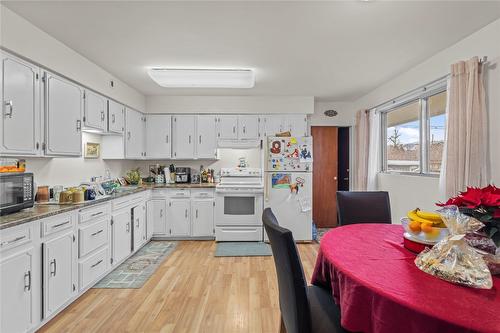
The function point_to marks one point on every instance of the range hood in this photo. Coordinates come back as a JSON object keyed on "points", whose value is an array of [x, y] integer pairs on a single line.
{"points": [[239, 144]]}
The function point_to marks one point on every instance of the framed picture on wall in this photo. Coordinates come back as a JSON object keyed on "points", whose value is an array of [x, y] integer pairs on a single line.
{"points": [[92, 150]]}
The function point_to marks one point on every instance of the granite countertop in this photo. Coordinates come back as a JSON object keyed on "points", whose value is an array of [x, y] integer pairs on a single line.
{"points": [[40, 211]]}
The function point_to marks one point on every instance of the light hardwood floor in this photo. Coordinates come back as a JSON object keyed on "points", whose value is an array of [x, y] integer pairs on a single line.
{"points": [[192, 291]]}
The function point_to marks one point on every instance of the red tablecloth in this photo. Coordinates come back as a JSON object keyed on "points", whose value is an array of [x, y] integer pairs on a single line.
{"points": [[379, 288]]}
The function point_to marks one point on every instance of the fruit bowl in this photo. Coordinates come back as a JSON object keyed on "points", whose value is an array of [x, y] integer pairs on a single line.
{"points": [[432, 234]]}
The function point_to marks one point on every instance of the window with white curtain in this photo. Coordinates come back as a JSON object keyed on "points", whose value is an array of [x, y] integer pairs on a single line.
{"points": [[413, 130]]}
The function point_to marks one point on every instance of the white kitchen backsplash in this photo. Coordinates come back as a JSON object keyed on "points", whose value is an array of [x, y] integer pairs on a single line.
{"points": [[72, 171]]}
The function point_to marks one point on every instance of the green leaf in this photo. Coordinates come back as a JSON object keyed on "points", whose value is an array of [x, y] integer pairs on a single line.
{"points": [[496, 239]]}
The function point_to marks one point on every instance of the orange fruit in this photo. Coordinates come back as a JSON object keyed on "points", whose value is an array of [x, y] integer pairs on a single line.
{"points": [[426, 227], [414, 226]]}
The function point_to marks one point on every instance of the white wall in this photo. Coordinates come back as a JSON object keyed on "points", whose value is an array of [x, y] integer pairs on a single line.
{"points": [[410, 191], [345, 117], [230, 104], [21, 37]]}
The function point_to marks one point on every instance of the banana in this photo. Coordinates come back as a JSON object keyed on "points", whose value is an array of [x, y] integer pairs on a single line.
{"points": [[412, 215], [431, 216]]}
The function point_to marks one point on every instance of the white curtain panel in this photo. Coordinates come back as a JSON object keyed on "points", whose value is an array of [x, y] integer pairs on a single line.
{"points": [[361, 137], [465, 157], [374, 151]]}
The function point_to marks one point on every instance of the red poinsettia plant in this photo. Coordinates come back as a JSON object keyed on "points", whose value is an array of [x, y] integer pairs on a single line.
{"points": [[482, 204]]}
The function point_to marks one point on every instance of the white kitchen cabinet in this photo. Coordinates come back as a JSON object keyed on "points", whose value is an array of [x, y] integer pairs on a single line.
{"points": [[135, 126], [206, 145], [178, 213], [271, 125], [183, 129], [157, 213], [139, 223], [296, 124], [202, 211], [121, 235], [248, 127], [63, 112], [116, 114], [16, 283], [227, 127], [158, 136], [59, 271], [95, 111], [20, 122]]}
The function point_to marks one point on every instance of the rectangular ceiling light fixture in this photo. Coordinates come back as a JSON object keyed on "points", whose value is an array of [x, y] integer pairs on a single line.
{"points": [[203, 78]]}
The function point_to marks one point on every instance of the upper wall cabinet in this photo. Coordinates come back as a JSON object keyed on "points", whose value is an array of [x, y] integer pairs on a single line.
{"points": [[158, 136], [270, 125], [116, 114], [20, 122], [95, 111], [296, 124], [234, 127], [63, 112], [183, 129], [206, 144], [227, 127], [248, 127], [135, 125]]}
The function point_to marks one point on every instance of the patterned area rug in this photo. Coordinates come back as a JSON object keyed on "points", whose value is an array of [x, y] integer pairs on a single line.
{"points": [[242, 249], [136, 270]]}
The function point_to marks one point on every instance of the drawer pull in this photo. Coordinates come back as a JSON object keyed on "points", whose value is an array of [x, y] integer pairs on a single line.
{"points": [[17, 239], [27, 285], [60, 224], [97, 232], [96, 214], [97, 263]]}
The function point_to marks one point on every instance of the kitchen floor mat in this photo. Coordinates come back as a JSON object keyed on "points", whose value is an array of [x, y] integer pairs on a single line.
{"points": [[134, 272], [242, 249]]}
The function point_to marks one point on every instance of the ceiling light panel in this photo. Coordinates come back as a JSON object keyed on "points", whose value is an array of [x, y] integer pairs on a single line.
{"points": [[203, 78]]}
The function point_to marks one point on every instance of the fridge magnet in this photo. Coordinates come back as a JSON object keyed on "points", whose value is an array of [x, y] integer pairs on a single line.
{"points": [[281, 180], [276, 147], [293, 140], [92, 150], [294, 188], [305, 154]]}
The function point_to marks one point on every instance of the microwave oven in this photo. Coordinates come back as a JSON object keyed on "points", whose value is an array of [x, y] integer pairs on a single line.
{"points": [[16, 192]]}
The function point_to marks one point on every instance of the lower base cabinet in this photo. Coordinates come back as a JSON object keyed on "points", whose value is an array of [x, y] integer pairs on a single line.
{"points": [[179, 216], [139, 216], [16, 282], [121, 239], [203, 217], [59, 267], [157, 217]]}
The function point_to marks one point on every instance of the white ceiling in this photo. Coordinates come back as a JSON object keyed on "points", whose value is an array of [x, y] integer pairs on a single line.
{"points": [[330, 50]]}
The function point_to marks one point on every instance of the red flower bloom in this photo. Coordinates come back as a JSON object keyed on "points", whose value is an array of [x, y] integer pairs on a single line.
{"points": [[472, 197]]}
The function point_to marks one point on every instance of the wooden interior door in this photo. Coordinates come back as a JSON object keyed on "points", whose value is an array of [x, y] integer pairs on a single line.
{"points": [[325, 183]]}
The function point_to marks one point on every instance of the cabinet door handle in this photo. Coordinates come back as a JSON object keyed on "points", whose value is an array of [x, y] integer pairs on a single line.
{"points": [[96, 214], [234, 129], [186, 213], [128, 135], [53, 264], [196, 213], [102, 115], [190, 139], [166, 140], [137, 225], [113, 118], [9, 104], [97, 232], [78, 125], [97, 263], [161, 212], [128, 227], [27, 285], [200, 139], [244, 129]]}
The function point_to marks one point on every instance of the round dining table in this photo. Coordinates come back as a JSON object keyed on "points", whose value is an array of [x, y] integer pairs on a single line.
{"points": [[374, 280]]}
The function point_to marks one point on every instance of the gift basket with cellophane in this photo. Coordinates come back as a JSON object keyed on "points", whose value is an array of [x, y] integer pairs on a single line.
{"points": [[466, 256]]}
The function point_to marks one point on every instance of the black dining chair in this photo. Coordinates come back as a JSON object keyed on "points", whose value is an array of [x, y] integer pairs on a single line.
{"points": [[304, 309], [363, 207]]}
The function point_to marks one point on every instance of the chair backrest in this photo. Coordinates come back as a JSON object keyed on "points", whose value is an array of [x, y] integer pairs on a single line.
{"points": [[291, 281], [363, 207]]}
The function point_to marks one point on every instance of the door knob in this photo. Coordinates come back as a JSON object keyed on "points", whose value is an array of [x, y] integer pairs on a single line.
{"points": [[334, 178]]}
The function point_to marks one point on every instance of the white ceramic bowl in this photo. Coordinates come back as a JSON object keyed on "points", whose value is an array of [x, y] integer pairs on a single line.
{"points": [[435, 237]]}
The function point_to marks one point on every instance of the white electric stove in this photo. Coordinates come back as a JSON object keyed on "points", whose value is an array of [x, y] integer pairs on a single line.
{"points": [[238, 205]]}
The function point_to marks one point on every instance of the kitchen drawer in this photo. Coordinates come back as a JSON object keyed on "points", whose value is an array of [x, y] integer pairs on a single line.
{"points": [[179, 193], [15, 236], [93, 267], [235, 234], [127, 200], [202, 193], [95, 212], [93, 236], [57, 223]]}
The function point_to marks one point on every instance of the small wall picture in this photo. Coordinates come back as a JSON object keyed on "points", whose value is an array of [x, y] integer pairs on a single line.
{"points": [[92, 150]]}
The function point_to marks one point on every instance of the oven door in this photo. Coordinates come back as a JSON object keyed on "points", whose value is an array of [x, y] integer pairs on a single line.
{"points": [[11, 193], [238, 208]]}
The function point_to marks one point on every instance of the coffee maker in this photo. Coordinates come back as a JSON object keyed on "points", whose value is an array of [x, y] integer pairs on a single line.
{"points": [[182, 175]]}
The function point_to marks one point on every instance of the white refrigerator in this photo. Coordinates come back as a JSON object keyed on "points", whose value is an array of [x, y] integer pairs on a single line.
{"points": [[288, 183]]}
